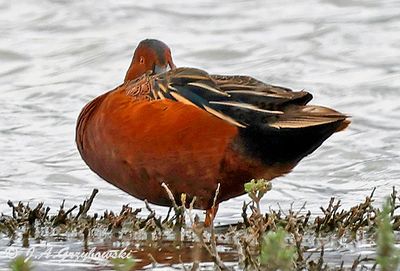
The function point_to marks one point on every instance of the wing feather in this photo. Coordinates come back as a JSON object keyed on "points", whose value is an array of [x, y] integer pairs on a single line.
{"points": [[241, 100]]}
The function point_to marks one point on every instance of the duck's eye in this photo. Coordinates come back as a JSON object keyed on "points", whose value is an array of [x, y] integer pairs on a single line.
{"points": [[141, 60]]}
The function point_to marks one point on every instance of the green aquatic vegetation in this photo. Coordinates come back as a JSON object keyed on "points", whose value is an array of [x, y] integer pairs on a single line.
{"points": [[20, 263], [276, 253], [388, 256], [256, 189], [120, 264]]}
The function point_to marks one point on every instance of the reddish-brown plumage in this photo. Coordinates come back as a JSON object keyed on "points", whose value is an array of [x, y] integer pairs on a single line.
{"points": [[137, 145], [193, 131]]}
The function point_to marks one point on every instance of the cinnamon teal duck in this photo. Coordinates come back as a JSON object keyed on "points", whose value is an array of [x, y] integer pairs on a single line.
{"points": [[193, 130]]}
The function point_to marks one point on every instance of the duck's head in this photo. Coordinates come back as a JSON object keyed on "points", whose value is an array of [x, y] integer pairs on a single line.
{"points": [[152, 56]]}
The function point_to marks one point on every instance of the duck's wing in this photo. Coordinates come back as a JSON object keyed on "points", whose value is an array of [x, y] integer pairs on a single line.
{"points": [[240, 100], [250, 90]]}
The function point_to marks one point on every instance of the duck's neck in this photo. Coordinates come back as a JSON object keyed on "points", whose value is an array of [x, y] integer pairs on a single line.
{"points": [[130, 74]]}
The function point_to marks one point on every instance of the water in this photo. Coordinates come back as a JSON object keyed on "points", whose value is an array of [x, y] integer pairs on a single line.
{"points": [[55, 56]]}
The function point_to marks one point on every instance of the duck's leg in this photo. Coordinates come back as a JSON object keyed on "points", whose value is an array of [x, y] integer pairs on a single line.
{"points": [[210, 215]]}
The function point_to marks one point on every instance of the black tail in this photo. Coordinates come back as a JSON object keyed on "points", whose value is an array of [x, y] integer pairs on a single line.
{"points": [[287, 145]]}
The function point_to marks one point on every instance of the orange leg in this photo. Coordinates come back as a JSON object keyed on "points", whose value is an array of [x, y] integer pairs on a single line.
{"points": [[210, 215]]}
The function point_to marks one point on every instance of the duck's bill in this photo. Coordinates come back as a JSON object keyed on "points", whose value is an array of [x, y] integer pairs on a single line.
{"points": [[161, 69]]}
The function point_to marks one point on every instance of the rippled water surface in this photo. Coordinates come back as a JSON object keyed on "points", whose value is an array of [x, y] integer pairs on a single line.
{"points": [[55, 56]]}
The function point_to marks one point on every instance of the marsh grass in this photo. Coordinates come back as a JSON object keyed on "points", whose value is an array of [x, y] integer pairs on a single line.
{"points": [[273, 240]]}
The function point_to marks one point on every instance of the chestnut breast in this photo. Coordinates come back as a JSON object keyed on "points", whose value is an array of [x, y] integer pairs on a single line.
{"points": [[138, 144]]}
